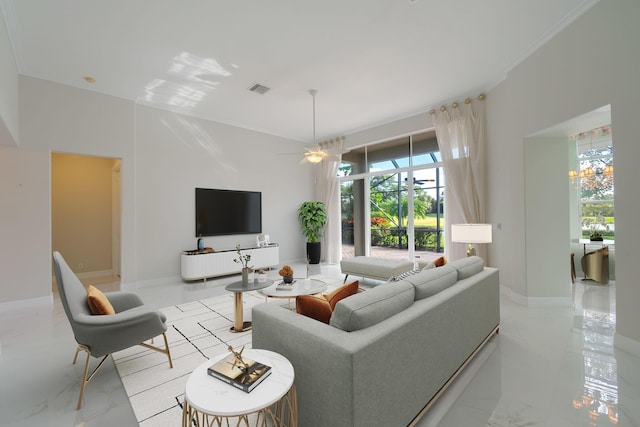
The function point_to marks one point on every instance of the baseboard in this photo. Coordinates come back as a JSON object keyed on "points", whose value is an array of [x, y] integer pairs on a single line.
{"points": [[626, 344], [161, 281], [94, 274], [536, 301], [26, 303]]}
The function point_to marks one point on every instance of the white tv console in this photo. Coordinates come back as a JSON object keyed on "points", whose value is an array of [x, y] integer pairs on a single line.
{"points": [[195, 265]]}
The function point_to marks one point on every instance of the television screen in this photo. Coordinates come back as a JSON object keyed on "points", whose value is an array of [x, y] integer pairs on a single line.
{"points": [[220, 212]]}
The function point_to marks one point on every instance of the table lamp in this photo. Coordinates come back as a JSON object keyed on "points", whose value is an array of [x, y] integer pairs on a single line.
{"points": [[471, 233]]}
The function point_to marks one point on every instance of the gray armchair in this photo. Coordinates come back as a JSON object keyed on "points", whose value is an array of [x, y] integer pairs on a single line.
{"points": [[101, 335]]}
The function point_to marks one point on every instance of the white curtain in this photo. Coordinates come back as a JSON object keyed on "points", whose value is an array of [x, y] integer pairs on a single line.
{"points": [[329, 194], [460, 131]]}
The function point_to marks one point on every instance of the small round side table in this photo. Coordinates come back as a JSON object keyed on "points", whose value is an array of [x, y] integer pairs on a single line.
{"points": [[209, 401], [238, 288]]}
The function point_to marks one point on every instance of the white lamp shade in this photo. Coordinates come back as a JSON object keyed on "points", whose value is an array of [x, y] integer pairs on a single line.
{"points": [[471, 233]]}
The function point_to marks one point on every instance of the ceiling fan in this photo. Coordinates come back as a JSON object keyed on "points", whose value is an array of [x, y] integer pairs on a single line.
{"points": [[316, 152]]}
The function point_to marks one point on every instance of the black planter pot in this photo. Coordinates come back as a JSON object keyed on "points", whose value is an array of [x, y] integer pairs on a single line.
{"points": [[313, 252]]}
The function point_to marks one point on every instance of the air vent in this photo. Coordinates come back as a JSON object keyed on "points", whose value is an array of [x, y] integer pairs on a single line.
{"points": [[258, 88]]}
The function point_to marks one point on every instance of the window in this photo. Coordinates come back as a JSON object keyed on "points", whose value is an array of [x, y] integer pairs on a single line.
{"points": [[595, 157], [392, 198]]}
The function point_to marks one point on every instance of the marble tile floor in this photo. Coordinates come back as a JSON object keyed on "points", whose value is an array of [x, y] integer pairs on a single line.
{"points": [[547, 367]]}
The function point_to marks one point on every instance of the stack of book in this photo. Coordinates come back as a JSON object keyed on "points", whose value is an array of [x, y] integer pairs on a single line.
{"points": [[283, 286], [246, 378]]}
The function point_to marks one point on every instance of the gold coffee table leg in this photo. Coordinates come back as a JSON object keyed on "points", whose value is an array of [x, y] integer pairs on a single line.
{"points": [[238, 324]]}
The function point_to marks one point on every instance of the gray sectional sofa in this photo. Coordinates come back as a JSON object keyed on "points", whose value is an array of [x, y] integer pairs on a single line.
{"points": [[388, 351]]}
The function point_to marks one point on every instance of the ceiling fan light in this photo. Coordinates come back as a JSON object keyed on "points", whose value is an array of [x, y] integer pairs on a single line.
{"points": [[313, 157]]}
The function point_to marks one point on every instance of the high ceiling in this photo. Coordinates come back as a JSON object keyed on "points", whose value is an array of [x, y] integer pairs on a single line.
{"points": [[372, 61]]}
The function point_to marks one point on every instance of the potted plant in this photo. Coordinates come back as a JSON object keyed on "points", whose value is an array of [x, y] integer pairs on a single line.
{"points": [[313, 218], [244, 261], [287, 274], [595, 235]]}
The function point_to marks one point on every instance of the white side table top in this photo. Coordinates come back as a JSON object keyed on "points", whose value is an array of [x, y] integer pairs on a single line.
{"points": [[300, 287], [604, 242], [213, 396]]}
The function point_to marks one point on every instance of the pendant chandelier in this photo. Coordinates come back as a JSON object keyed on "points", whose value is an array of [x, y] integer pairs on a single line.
{"points": [[590, 171]]}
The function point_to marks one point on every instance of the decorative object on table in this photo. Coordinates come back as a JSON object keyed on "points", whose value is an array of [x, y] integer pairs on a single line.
{"points": [[287, 274], [244, 261], [595, 235], [200, 243], [470, 234], [262, 240], [313, 218], [242, 373], [262, 276], [283, 286]]}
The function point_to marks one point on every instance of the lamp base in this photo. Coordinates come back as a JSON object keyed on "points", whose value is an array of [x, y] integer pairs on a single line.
{"points": [[471, 251]]}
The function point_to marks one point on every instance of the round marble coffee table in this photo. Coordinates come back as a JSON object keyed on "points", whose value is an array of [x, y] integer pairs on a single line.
{"points": [[300, 287], [209, 401]]}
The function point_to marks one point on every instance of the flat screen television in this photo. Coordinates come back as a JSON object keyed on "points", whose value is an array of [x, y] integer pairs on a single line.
{"points": [[222, 212]]}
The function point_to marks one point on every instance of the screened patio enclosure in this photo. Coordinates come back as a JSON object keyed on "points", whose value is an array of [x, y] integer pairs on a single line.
{"points": [[392, 199]]}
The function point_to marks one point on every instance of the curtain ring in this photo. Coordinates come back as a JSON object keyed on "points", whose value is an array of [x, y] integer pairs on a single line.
{"points": [[454, 105], [467, 101]]}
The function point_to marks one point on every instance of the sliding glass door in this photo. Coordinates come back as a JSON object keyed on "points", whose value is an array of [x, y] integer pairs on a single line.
{"points": [[392, 197]]}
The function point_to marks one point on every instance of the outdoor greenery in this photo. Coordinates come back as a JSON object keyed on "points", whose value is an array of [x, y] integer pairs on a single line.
{"points": [[389, 214], [596, 194]]}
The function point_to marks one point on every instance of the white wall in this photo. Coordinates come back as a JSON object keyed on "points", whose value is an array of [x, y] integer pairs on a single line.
{"points": [[60, 118], [547, 239], [176, 154], [8, 90], [593, 62], [25, 224], [164, 157]]}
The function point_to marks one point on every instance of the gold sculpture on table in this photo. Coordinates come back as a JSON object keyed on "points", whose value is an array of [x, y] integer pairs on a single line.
{"points": [[239, 360]]}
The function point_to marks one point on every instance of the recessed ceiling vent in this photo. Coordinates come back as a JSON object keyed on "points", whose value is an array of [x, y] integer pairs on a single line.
{"points": [[258, 88]]}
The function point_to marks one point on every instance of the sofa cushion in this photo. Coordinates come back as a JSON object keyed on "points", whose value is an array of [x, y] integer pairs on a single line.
{"points": [[430, 282], [340, 293], [368, 308], [98, 302], [468, 266], [314, 307]]}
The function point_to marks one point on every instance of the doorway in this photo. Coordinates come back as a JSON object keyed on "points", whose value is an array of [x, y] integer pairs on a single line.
{"points": [[86, 214], [553, 204]]}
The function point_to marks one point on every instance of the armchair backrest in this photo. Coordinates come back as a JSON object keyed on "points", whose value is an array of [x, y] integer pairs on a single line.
{"points": [[72, 293]]}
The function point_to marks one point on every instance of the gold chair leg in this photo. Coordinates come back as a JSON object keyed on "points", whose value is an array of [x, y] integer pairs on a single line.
{"points": [[166, 345], [85, 379], [164, 350]]}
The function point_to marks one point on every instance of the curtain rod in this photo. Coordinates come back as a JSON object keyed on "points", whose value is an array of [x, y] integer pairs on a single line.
{"points": [[455, 104]]}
